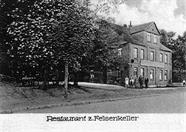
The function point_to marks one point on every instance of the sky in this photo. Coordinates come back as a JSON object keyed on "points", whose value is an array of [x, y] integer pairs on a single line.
{"points": [[167, 14]]}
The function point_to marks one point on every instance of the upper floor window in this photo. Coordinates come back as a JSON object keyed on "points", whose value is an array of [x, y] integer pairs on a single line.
{"points": [[155, 39], [152, 55], [166, 58], [119, 51], [142, 54], [135, 53], [152, 74], [161, 57], [148, 37]]}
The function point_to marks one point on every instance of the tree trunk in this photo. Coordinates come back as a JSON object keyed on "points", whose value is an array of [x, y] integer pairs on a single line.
{"points": [[66, 79], [45, 80], [57, 77]]}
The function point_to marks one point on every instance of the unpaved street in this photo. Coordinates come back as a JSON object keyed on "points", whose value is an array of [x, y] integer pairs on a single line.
{"points": [[162, 103]]}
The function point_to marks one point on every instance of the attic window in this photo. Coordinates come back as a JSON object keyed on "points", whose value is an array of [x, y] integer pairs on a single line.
{"points": [[155, 39], [148, 37]]}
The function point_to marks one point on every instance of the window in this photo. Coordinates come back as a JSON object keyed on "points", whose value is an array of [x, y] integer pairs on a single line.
{"points": [[161, 57], [161, 75], [152, 55], [142, 54], [142, 72], [166, 58], [119, 51], [155, 39], [135, 53], [166, 75], [148, 37], [152, 74], [135, 71]]}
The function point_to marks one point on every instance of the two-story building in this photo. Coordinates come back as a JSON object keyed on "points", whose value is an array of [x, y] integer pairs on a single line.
{"points": [[146, 56]]}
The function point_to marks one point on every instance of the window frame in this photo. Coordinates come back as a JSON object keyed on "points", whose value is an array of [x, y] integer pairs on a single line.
{"points": [[148, 37], [166, 75], [142, 72], [152, 59], [166, 58], [142, 56], [155, 39], [153, 75], [161, 57], [161, 75], [135, 72], [135, 54]]}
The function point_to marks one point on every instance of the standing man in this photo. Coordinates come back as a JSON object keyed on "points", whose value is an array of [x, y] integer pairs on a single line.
{"points": [[132, 82], [140, 81], [146, 82]]}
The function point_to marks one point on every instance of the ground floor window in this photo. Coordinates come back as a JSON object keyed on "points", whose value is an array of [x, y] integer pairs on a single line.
{"points": [[152, 74], [135, 71], [142, 72], [161, 75], [166, 75]]}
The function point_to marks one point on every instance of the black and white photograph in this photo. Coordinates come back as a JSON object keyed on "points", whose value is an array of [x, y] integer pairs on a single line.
{"points": [[92, 56]]}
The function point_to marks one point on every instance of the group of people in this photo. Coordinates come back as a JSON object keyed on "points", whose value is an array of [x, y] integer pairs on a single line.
{"points": [[131, 82]]}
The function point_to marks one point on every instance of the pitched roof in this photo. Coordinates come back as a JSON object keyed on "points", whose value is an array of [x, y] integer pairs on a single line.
{"points": [[141, 27], [125, 34], [162, 47]]}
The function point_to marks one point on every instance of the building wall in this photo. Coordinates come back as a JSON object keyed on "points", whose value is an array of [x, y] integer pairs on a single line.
{"points": [[148, 64]]}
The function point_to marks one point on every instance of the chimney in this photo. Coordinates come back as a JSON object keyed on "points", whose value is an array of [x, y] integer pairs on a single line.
{"points": [[130, 24]]}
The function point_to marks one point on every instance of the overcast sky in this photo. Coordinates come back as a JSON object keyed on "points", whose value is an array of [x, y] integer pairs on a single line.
{"points": [[168, 14]]}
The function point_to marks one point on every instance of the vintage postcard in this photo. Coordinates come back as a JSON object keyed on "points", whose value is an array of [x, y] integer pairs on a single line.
{"points": [[94, 63]]}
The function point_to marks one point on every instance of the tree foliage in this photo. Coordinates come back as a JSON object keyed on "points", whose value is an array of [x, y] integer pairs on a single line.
{"points": [[179, 56], [50, 34], [178, 47], [45, 34]]}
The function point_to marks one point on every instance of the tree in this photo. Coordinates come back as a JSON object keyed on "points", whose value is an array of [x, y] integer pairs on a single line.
{"points": [[179, 57], [52, 34], [104, 54], [98, 56], [178, 47], [167, 38]]}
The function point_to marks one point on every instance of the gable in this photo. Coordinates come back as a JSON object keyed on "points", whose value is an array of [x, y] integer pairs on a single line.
{"points": [[139, 28], [153, 29], [148, 27]]}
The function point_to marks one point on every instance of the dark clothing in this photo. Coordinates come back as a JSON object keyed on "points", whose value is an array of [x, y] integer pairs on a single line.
{"points": [[140, 82], [146, 82]]}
